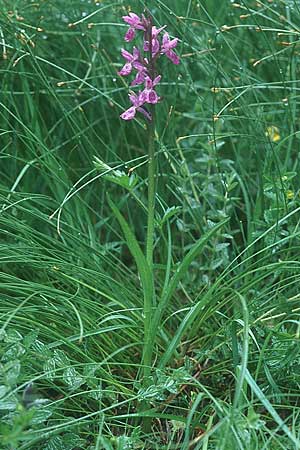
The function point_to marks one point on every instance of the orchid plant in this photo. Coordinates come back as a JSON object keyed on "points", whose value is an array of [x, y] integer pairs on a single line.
{"points": [[142, 61]]}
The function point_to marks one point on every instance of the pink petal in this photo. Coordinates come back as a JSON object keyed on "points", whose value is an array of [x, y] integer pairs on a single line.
{"points": [[126, 55], [148, 83], [130, 35], [139, 79], [139, 66], [172, 43], [134, 16], [152, 97], [156, 80], [134, 99], [140, 26], [126, 69], [172, 56], [143, 97], [165, 39], [156, 31], [155, 46], [127, 19], [129, 113], [145, 22], [132, 19]]}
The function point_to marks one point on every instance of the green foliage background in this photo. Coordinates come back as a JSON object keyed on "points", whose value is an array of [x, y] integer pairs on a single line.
{"points": [[227, 355]]}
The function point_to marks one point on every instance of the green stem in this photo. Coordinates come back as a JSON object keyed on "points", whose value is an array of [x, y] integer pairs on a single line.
{"points": [[151, 194], [149, 301]]}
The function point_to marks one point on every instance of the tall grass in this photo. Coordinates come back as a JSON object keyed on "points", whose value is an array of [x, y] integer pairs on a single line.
{"points": [[225, 370]]}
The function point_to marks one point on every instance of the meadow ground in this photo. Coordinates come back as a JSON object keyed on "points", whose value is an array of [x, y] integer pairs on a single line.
{"points": [[225, 361]]}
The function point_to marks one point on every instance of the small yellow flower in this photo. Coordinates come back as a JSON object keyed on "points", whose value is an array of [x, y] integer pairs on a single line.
{"points": [[290, 195], [272, 133]]}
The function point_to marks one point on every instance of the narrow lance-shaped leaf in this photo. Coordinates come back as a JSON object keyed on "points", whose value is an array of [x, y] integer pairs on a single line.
{"points": [[135, 250]]}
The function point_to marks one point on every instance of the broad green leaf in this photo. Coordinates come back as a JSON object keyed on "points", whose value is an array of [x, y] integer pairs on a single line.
{"points": [[9, 403], [58, 360], [12, 371], [114, 175], [68, 441], [13, 352], [72, 378], [41, 415]]}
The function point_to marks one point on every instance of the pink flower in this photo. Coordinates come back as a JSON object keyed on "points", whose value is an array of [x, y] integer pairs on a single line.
{"points": [[132, 61], [134, 21], [140, 77], [149, 95], [155, 41], [135, 24], [137, 102], [167, 48]]}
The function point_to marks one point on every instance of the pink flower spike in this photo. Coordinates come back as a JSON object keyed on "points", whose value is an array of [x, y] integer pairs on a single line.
{"points": [[143, 65]]}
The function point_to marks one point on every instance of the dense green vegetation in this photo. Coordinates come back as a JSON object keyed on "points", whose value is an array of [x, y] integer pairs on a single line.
{"points": [[225, 372]]}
